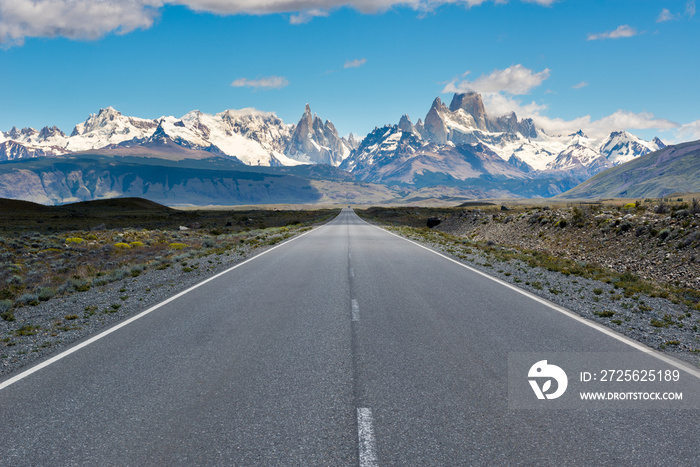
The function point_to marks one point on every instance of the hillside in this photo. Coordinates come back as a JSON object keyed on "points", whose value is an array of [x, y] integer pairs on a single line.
{"points": [[674, 169], [186, 182]]}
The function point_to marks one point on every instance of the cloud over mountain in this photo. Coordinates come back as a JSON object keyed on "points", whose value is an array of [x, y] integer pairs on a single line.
{"points": [[514, 80], [92, 19]]}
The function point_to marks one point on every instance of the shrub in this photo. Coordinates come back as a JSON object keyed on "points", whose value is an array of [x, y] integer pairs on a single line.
{"points": [[27, 330], [75, 240], [46, 293], [91, 237], [597, 291], [136, 270], [75, 285], [663, 235], [117, 275], [177, 246], [135, 244], [658, 324], [15, 280], [28, 299], [661, 208], [6, 294], [579, 217], [122, 245], [71, 317], [629, 206], [5, 305], [5, 313], [604, 314]]}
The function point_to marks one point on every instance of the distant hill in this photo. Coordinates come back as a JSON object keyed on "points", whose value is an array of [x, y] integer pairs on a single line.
{"points": [[674, 169], [121, 204], [197, 179], [14, 205], [214, 180]]}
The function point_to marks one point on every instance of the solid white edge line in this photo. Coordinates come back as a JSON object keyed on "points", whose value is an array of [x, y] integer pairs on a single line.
{"points": [[365, 435], [120, 325], [355, 310], [599, 327]]}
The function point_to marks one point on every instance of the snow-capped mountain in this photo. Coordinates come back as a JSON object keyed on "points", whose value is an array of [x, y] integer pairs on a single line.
{"points": [[465, 128], [396, 154], [28, 142], [451, 145], [251, 136], [315, 141], [621, 147], [106, 128]]}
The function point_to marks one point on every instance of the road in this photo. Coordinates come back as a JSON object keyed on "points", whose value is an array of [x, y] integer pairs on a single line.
{"points": [[344, 346]]}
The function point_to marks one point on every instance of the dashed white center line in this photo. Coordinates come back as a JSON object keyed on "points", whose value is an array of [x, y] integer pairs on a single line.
{"points": [[365, 433], [355, 310], [352, 272]]}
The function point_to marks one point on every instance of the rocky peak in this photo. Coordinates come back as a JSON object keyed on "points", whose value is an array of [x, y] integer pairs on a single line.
{"points": [[472, 104], [316, 141], [438, 105], [434, 127], [47, 133], [13, 133], [658, 142], [353, 141], [405, 124]]}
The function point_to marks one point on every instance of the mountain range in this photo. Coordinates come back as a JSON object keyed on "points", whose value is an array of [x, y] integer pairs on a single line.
{"points": [[672, 170], [460, 143], [251, 136], [458, 148]]}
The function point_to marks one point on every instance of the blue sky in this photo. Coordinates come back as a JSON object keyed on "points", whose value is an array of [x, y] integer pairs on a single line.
{"points": [[598, 65]]}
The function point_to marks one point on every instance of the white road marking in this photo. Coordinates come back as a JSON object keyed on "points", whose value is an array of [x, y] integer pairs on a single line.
{"points": [[365, 434], [352, 272], [599, 327], [65, 353], [355, 310]]}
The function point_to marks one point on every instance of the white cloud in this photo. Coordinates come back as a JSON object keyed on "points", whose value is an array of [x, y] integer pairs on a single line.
{"points": [[271, 82], [92, 19], [620, 32], [306, 16], [666, 15], [75, 19], [580, 85], [514, 80], [690, 8], [498, 104], [355, 63], [689, 131]]}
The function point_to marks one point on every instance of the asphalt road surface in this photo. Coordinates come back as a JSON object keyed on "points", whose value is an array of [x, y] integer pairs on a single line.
{"points": [[344, 346]]}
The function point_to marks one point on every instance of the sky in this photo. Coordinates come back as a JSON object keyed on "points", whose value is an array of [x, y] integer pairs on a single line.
{"points": [[569, 64]]}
